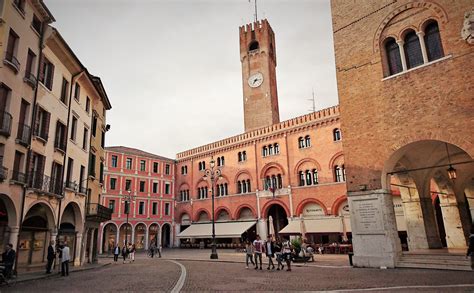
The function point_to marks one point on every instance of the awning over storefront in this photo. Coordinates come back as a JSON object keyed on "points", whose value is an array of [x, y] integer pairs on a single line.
{"points": [[325, 225], [223, 230]]}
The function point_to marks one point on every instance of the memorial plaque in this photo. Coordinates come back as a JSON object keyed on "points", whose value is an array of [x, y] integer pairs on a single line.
{"points": [[368, 216]]}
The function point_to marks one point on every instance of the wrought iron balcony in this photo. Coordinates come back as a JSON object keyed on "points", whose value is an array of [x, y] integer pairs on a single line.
{"points": [[11, 61], [23, 135], [18, 177], [5, 123], [45, 184], [98, 213], [41, 133], [30, 79]]}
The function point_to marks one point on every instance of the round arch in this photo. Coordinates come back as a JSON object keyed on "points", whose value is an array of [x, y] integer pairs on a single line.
{"points": [[220, 209], [242, 172], [74, 207], [302, 204], [334, 158], [269, 203], [109, 236], [307, 160], [183, 185], [239, 209], [337, 204], [406, 30], [269, 166], [51, 217], [166, 235], [199, 212], [10, 208]]}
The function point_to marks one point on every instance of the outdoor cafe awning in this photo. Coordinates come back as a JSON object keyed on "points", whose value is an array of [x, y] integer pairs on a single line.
{"points": [[223, 230], [318, 225]]}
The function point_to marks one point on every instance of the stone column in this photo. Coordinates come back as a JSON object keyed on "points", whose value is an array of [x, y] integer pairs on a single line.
{"points": [[402, 54], [91, 246], [132, 237], [14, 236], [431, 226], [421, 37], [452, 221], [415, 225], [79, 247], [85, 245], [374, 229], [146, 239], [117, 238]]}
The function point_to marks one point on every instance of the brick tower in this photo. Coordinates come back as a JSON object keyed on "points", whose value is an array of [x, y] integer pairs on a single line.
{"points": [[257, 54]]}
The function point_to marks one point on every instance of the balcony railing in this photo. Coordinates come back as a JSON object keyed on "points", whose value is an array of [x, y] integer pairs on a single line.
{"points": [[70, 185], [46, 184], [60, 144], [30, 79], [98, 213], [23, 135], [18, 177], [41, 134], [5, 123], [11, 61]]}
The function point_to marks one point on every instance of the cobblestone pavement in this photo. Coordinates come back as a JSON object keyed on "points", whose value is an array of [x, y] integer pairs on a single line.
{"points": [[162, 275]]}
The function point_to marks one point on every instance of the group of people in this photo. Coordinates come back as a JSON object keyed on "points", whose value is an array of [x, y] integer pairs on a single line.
{"points": [[281, 250], [154, 249], [127, 251], [63, 253]]}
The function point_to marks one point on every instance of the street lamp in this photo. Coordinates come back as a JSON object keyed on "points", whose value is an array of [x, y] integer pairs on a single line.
{"points": [[213, 175], [128, 199]]}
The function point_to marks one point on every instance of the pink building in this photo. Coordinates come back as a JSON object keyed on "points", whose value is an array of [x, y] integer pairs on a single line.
{"points": [[148, 180]]}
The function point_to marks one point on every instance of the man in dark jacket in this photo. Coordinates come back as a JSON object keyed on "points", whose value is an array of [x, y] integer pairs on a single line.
{"points": [[270, 251], [8, 259], [470, 248], [51, 256]]}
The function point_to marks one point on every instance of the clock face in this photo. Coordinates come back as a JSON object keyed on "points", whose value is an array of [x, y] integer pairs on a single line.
{"points": [[255, 80]]}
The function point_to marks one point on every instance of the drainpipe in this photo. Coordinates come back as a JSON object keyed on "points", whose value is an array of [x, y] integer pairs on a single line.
{"points": [[67, 142], [30, 136]]}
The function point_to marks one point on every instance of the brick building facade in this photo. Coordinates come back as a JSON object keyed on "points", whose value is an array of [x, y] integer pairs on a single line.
{"points": [[149, 181], [406, 93]]}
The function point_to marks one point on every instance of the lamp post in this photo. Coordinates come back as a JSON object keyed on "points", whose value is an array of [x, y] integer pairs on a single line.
{"points": [[128, 199], [213, 175]]}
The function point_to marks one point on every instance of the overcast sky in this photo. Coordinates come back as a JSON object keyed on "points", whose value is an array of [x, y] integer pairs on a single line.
{"points": [[172, 68]]}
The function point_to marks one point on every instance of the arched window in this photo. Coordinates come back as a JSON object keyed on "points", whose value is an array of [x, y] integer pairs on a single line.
{"points": [[239, 157], [218, 161], [264, 151], [307, 141], [244, 156], [270, 150], [392, 52], [434, 49], [253, 46], [239, 187], [249, 189], [412, 50], [277, 148], [315, 177], [300, 142], [274, 183], [339, 173], [226, 189], [222, 161], [200, 166], [309, 179], [279, 181], [268, 182], [336, 133], [301, 178]]}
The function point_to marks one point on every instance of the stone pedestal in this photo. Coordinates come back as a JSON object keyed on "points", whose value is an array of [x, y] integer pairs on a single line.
{"points": [[374, 229]]}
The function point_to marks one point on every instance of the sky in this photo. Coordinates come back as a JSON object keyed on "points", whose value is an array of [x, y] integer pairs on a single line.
{"points": [[172, 70]]}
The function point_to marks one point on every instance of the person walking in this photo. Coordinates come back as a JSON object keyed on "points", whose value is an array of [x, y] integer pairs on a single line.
{"points": [[470, 247], [132, 252], [152, 249], [270, 251], [259, 248], [249, 251], [50, 257], [124, 252], [286, 250], [8, 260], [159, 250], [279, 255], [65, 258], [116, 252]]}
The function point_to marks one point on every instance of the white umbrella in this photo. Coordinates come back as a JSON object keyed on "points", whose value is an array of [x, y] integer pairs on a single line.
{"points": [[302, 227], [271, 227]]}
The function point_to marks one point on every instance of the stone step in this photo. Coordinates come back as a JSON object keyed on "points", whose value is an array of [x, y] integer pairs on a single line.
{"points": [[434, 266], [463, 262], [439, 257]]}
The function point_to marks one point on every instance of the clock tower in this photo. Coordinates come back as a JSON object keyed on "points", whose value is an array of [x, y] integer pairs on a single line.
{"points": [[257, 55]]}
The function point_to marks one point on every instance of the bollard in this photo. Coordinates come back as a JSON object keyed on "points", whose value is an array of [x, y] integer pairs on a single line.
{"points": [[350, 254]]}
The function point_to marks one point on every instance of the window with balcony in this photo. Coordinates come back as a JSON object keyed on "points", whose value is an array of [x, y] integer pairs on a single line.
{"points": [[142, 186], [10, 54], [155, 167], [77, 92], [113, 183], [36, 24], [41, 128], [24, 130], [73, 128], [64, 91], [30, 77], [36, 172], [114, 161], [129, 163], [5, 117], [142, 165], [18, 175], [82, 182], [56, 183], [60, 137], [46, 73]]}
